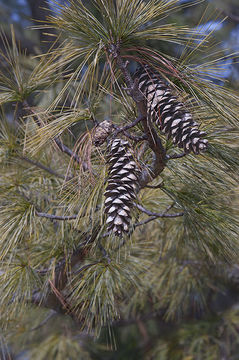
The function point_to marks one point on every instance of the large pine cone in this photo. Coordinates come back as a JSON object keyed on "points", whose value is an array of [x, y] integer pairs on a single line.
{"points": [[168, 113], [121, 188]]}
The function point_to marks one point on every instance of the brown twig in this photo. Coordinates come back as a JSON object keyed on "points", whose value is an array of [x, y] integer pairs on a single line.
{"points": [[68, 152], [162, 215], [155, 186], [127, 127], [176, 156], [144, 222], [61, 264], [41, 166], [128, 135], [135, 138], [60, 297], [53, 298], [55, 217]]}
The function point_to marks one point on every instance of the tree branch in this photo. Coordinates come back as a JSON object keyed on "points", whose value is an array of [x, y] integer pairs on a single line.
{"points": [[155, 186], [144, 222], [126, 133], [150, 132], [41, 166], [162, 215], [127, 127], [69, 152], [55, 217], [176, 156], [58, 142], [53, 299]]}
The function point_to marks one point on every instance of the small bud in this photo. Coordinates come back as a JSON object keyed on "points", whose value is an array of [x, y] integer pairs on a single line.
{"points": [[101, 132]]}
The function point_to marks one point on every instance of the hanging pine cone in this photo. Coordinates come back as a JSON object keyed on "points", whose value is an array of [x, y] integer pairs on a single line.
{"points": [[121, 188], [101, 132], [168, 113]]}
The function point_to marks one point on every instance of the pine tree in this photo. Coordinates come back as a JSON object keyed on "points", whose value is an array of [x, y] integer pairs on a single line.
{"points": [[114, 243]]}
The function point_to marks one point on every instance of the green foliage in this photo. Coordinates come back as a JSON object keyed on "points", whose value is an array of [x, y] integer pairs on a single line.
{"points": [[59, 347], [172, 279], [127, 23], [17, 83], [98, 288]]}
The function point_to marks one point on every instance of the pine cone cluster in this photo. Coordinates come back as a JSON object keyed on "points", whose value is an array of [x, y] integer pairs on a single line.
{"points": [[121, 188], [168, 113]]}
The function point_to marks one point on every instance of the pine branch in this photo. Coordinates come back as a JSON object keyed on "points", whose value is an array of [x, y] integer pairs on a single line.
{"points": [[126, 133], [129, 126], [43, 167], [51, 299], [61, 264], [144, 222], [55, 217], [176, 156], [61, 146], [69, 152], [162, 215], [151, 134], [85, 267], [54, 299], [155, 186]]}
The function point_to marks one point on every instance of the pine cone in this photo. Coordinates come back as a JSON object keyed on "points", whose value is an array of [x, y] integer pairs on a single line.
{"points": [[101, 132], [168, 113], [121, 188]]}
